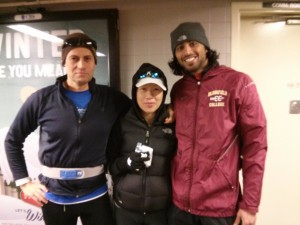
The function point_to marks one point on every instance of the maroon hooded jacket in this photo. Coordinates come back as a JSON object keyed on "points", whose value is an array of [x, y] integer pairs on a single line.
{"points": [[219, 120]]}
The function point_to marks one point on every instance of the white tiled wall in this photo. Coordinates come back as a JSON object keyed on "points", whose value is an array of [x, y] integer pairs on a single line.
{"points": [[145, 27]]}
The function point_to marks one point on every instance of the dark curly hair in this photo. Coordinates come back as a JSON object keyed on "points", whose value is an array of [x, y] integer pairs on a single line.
{"points": [[211, 55]]}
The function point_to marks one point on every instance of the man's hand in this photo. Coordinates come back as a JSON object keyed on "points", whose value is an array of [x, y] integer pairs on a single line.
{"points": [[171, 115], [245, 218], [36, 191]]}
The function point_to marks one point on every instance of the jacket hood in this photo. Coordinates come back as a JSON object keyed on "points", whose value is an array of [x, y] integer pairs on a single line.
{"points": [[148, 71]]}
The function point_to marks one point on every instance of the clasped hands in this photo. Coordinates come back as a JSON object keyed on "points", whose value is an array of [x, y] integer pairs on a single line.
{"points": [[135, 160]]}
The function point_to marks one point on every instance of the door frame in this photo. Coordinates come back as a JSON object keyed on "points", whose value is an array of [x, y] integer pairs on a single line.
{"points": [[249, 9]]}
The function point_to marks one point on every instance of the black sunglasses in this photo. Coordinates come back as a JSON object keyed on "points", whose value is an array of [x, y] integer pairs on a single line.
{"points": [[150, 74], [80, 42]]}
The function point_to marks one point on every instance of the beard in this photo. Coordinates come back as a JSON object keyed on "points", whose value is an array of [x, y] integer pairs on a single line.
{"points": [[196, 69]]}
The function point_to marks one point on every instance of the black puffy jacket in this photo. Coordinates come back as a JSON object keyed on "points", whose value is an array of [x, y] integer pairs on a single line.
{"points": [[150, 189]]}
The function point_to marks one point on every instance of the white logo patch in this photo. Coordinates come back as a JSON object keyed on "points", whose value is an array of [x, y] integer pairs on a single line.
{"points": [[167, 130], [182, 38]]}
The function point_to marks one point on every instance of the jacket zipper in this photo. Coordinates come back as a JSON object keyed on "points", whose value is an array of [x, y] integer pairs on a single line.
{"points": [[147, 136], [78, 121], [193, 151]]}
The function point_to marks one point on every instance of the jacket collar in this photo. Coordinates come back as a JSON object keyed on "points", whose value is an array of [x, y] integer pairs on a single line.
{"points": [[60, 80]]}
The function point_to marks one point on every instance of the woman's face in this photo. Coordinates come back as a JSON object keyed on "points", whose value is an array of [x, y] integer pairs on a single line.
{"points": [[149, 98]]}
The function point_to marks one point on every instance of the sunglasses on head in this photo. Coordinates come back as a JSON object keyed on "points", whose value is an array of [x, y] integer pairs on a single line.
{"points": [[80, 42], [149, 74]]}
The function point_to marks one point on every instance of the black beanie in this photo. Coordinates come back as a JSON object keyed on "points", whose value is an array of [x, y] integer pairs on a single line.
{"points": [[188, 31], [76, 40]]}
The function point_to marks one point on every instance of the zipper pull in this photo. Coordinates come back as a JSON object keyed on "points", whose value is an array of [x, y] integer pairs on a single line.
{"points": [[147, 137]]}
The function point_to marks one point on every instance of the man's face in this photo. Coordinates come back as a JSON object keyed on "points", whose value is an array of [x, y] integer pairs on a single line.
{"points": [[80, 66], [191, 55]]}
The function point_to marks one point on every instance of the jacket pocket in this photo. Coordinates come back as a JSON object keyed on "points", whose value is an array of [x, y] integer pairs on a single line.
{"points": [[216, 189]]}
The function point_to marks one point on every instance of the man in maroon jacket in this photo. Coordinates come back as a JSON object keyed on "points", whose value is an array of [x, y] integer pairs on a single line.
{"points": [[221, 128]]}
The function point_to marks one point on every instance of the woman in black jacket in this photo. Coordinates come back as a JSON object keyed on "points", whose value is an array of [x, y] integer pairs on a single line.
{"points": [[140, 151]]}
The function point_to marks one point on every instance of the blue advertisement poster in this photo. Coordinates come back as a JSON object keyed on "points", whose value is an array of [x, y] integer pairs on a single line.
{"points": [[30, 58]]}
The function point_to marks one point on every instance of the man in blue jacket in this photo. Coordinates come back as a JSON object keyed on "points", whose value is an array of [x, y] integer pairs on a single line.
{"points": [[75, 117]]}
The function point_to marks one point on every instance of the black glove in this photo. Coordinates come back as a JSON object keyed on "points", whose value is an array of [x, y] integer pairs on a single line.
{"points": [[134, 162]]}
